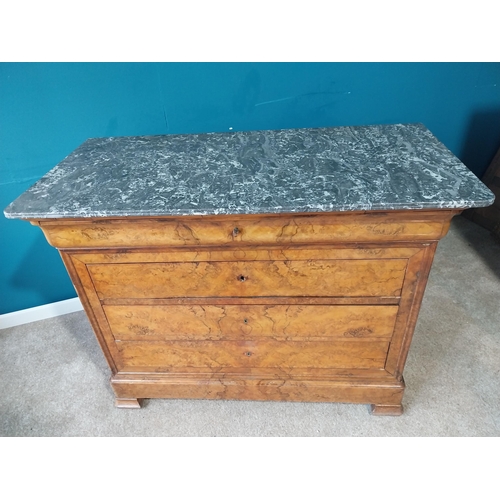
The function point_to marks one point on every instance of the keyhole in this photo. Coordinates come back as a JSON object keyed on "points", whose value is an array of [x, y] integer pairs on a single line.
{"points": [[241, 277], [245, 321], [236, 231], [248, 353]]}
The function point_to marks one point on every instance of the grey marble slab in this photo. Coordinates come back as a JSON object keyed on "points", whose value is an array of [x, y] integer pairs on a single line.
{"points": [[385, 167]]}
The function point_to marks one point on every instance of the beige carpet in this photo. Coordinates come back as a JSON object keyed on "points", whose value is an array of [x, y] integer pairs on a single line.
{"points": [[54, 380]]}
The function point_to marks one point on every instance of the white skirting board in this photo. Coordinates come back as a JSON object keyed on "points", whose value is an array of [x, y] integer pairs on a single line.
{"points": [[41, 312]]}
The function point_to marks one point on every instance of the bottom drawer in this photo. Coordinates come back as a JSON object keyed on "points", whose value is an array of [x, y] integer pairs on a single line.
{"points": [[213, 355]]}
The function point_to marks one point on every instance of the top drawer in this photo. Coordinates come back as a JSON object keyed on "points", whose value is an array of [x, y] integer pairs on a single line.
{"points": [[249, 229]]}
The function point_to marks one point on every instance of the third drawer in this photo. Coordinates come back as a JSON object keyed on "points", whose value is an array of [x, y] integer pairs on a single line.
{"points": [[243, 321]]}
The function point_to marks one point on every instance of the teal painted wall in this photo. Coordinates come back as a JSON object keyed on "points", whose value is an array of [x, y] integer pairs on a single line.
{"points": [[47, 110]]}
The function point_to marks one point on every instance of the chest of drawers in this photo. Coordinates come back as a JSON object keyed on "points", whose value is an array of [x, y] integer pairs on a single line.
{"points": [[312, 305], [303, 308]]}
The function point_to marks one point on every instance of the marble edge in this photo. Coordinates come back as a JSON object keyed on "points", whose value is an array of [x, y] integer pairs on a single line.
{"points": [[275, 210], [253, 131]]}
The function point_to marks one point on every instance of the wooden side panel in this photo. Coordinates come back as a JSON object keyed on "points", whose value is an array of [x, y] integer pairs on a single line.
{"points": [[85, 289], [419, 267], [239, 322], [247, 279], [266, 353]]}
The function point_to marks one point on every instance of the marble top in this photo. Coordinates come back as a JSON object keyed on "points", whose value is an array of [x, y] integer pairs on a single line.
{"points": [[383, 167]]}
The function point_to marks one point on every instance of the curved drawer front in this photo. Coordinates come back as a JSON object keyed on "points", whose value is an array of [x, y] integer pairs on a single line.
{"points": [[239, 322], [323, 278], [223, 230], [174, 356]]}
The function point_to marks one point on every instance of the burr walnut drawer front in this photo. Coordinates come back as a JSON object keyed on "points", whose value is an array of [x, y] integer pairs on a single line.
{"points": [[243, 321], [176, 356], [326, 278], [193, 231]]}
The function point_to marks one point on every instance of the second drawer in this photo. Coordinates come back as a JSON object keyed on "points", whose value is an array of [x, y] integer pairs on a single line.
{"points": [[328, 278]]}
